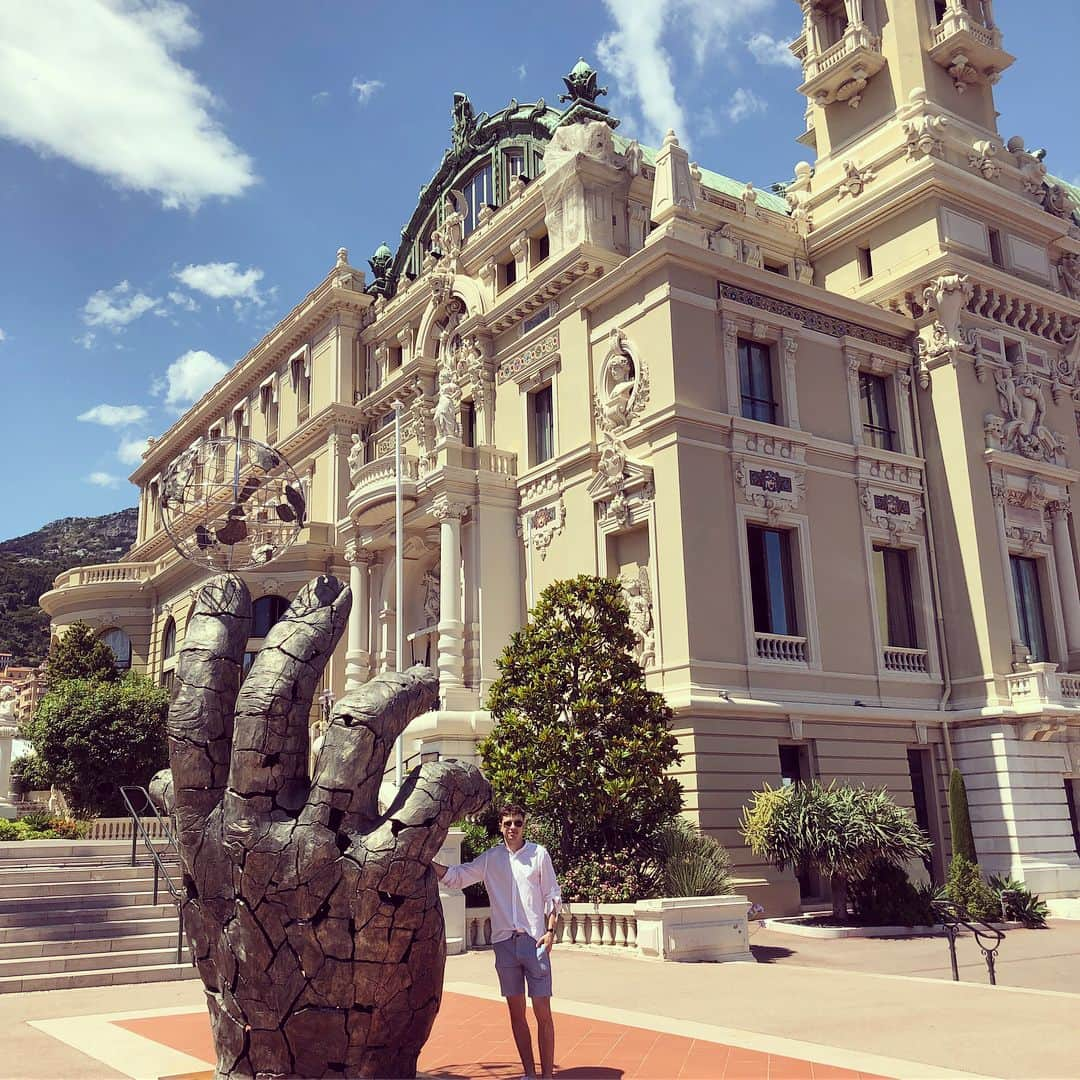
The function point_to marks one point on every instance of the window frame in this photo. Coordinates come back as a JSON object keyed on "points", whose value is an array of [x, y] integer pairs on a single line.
{"points": [[748, 391], [870, 430], [798, 527], [1040, 579], [300, 378], [783, 336], [545, 388]]}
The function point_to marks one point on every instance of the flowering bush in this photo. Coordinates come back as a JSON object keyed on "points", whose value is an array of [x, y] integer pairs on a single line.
{"points": [[616, 877], [41, 827]]}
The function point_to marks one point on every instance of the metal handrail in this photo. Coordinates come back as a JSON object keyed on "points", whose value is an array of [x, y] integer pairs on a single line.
{"points": [[160, 869], [987, 937]]}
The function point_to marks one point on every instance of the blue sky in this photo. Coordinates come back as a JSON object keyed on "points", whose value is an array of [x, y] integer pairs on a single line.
{"points": [[175, 177]]}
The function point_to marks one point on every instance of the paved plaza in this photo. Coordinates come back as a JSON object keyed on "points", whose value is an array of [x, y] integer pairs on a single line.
{"points": [[813, 1009]]}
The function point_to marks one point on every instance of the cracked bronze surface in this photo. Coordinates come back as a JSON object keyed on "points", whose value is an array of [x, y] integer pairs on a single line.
{"points": [[314, 920]]}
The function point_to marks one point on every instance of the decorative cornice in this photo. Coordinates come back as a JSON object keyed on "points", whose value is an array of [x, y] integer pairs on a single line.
{"points": [[813, 320]]}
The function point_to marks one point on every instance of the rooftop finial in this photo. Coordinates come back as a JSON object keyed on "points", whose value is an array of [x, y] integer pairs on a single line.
{"points": [[581, 84], [342, 256]]}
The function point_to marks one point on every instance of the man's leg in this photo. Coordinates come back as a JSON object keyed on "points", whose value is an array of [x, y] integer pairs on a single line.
{"points": [[522, 1036], [545, 1034]]}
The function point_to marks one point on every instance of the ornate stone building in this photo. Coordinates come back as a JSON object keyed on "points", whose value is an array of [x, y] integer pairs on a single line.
{"points": [[827, 435]]}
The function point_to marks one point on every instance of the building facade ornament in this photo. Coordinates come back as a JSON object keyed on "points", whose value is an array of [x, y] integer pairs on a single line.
{"points": [[430, 584], [1052, 197], [623, 385], [638, 593], [775, 489], [982, 157], [1020, 428], [923, 136], [1068, 274], [855, 179], [443, 508], [897, 513], [542, 525]]}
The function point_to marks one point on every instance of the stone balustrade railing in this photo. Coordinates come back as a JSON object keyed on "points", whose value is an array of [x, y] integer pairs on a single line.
{"points": [[675, 928], [382, 469], [104, 573], [956, 22], [781, 647], [120, 828], [1042, 686], [911, 661]]}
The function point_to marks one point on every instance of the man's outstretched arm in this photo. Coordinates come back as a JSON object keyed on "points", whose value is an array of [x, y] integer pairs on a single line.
{"points": [[461, 877]]}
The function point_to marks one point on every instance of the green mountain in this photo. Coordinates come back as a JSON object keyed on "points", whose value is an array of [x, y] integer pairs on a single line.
{"points": [[28, 565]]}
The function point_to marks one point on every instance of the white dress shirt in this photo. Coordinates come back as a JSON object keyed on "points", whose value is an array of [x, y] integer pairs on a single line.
{"points": [[521, 885]]}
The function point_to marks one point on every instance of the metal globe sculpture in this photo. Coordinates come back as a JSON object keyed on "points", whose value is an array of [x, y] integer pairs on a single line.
{"points": [[232, 504]]}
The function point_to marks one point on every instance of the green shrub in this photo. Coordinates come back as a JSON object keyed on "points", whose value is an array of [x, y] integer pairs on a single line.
{"points": [[692, 863], [37, 821], [963, 840], [93, 735], [967, 890], [9, 830], [1019, 902], [477, 839], [839, 830], [884, 896]]}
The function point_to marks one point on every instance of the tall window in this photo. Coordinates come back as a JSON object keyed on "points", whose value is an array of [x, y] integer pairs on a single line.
{"points": [[1029, 607], [874, 408], [514, 162], [756, 382], [468, 423], [265, 612], [301, 380], [478, 192], [168, 648], [120, 644], [772, 585], [895, 607], [543, 417]]}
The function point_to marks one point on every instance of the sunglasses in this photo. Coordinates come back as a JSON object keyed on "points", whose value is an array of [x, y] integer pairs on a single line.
{"points": [[513, 823]]}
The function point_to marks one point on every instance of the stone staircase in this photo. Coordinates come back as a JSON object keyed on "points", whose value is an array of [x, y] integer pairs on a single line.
{"points": [[77, 913]]}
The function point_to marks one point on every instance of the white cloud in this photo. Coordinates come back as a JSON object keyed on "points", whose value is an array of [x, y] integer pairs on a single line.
{"points": [[94, 81], [3, 336], [223, 281], [182, 300], [321, 98], [114, 415], [770, 51], [103, 479], [365, 89], [130, 451], [641, 64], [521, 71], [116, 307], [189, 377], [744, 103], [86, 340]]}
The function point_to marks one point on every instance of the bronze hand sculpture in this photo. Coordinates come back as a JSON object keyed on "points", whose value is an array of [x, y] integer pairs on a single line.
{"points": [[314, 919]]}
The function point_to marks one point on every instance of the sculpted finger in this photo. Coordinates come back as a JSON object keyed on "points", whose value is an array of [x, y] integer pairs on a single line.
{"points": [[200, 722], [429, 802], [268, 777], [352, 759]]}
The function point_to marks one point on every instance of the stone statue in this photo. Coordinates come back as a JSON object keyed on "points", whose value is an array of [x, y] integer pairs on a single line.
{"points": [[1024, 405], [7, 705], [314, 919], [638, 594], [616, 404], [356, 456], [447, 424], [430, 581]]}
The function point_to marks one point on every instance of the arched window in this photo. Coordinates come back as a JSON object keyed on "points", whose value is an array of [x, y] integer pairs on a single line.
{"points": [[479, 191], [265, 612], [120, 644], [168, 646]]}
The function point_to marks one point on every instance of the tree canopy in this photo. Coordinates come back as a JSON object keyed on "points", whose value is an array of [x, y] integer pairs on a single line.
{"points": [[578, 739]]}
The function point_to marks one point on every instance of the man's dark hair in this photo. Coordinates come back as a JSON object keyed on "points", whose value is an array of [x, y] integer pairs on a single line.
{"points": [[510, 808]]}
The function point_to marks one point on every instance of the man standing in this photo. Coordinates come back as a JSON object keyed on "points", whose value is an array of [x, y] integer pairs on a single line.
{"points": [[525, 902]]}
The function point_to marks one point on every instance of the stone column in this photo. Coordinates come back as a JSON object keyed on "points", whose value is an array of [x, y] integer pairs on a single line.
{"points": [[451, 624], [1019, 648], [1066, 572], [358, 651]]}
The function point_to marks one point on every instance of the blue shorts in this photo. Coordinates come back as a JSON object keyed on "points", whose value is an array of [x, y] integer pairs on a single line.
{"points": [[516, 961]]}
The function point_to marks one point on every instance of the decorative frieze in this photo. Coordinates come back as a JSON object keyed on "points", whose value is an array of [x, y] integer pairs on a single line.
{"points": [[542, 525], [897, 513], [776, 490], [527, 363], [813, 320]]}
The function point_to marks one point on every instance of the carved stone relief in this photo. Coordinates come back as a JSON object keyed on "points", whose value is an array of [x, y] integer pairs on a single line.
{"points": [[899, 513], [777, 490], [542, 525], [1020, 428], [638, 592], [623, 386], [855, 179]]}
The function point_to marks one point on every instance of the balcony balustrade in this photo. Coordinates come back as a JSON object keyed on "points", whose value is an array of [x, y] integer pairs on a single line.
{"points": [[967, 49], [1043, 689], [781, 648], [842, 71], [371, 500], [907, 661]]}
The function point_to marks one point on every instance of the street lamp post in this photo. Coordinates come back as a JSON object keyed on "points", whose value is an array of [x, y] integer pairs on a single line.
{"points": [[399, 572]]}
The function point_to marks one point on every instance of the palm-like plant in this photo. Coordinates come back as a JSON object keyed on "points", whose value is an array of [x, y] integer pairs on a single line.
{"points": [[692, 862], [838, 830]]}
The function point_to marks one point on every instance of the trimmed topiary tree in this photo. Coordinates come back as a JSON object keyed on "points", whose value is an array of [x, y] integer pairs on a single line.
{"points": [[838, 830], [578, 739], [963, 839], [80, 654], [92, 736]]}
